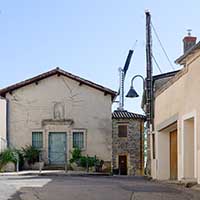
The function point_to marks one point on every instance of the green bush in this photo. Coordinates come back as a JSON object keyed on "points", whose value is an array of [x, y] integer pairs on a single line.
{"points": [[76, 154], [83, 161], [31, 154], [8, 155], [21, 158], [87, 161]]}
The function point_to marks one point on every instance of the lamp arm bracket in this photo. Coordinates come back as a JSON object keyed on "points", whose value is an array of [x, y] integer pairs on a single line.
{"points": [[136, 76]]}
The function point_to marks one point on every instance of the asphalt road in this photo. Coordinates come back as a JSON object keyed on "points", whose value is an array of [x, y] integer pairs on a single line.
{"points": [[90, 188]]}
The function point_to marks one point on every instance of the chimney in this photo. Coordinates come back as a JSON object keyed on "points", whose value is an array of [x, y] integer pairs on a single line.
{"points": [[188, 41]]}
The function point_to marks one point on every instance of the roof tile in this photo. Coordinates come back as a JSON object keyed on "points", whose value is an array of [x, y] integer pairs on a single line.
{"points": [[124, 114]]}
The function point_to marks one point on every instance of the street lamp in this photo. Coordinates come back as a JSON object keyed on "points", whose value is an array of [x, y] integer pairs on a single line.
{"points": [[132, 92]]}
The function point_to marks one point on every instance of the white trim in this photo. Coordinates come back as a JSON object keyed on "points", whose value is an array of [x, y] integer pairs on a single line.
{"points": [[184, 118], [182, 148], [179, 150]]}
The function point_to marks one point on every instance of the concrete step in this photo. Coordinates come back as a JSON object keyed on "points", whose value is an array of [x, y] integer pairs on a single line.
{"points": [[189, 182], [54, 167], [184, 182]]}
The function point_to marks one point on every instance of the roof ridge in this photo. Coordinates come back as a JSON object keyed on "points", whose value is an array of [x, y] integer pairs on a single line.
{"points": [[124, 114], [127, 111], [52, 72], [180, 60]]}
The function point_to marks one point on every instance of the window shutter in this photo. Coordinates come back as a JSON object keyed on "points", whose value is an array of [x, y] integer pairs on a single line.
{"points": [[122, 130]]}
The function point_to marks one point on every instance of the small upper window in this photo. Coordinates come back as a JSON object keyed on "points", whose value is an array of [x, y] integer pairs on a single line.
{"points": [[78, 139], [122, 130], [37, 140]]}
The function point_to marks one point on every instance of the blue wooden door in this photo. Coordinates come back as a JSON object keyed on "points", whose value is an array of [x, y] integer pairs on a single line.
{"points": [[57, 148]]}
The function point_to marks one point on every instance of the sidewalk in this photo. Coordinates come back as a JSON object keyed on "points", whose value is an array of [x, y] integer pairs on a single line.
{"points": [[52, 173], [187, 183]]}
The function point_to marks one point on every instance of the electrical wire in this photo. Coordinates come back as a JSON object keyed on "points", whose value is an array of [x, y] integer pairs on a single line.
{"points": [[157, 65], [162, 47]]}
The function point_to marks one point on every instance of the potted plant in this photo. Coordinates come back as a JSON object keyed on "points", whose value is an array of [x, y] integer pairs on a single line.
{"points": [[32, 157], [9, 159]]}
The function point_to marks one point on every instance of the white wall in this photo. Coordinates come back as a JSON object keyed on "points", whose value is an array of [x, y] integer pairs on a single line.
{"points": [[89, 108], [163, 155], [2, 123], [180, 99]]}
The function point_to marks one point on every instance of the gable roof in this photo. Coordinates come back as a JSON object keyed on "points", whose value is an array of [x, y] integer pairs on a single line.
{"points": [[165, 75], [158, 82], [57, 71], [124, 114], [192, 50]]}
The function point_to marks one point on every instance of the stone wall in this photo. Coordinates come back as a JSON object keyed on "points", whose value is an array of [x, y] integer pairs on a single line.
{"points": [[132, 145]]}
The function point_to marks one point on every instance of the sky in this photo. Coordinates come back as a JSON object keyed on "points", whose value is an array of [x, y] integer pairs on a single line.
{"points": [[90, 38]]}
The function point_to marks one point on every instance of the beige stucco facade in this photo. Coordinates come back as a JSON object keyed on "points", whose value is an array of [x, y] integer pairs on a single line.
{"points": [[2, 124], [177, 106], [61, 104]]}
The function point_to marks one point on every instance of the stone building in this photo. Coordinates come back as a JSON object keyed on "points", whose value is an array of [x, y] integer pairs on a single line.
{"points": [[128, 143], [56, 111]]}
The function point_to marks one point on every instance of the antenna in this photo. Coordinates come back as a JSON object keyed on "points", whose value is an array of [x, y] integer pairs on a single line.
{"points": [[189, 32]]}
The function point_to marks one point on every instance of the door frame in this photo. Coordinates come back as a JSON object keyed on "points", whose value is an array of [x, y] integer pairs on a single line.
{"points": [[172, 132], [57, 132]]}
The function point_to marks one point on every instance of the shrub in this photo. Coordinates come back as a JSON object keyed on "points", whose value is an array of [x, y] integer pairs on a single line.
{"points": [[21, 158], [87, 161], [83, 161], [76, 155], [8, 155], [31, 154]]}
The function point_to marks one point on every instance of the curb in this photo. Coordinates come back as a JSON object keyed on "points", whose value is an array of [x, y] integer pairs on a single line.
{"points": [[55, 174]]}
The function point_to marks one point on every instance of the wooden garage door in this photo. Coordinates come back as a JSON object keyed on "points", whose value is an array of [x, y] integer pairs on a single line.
{"points": [[173, 155]]}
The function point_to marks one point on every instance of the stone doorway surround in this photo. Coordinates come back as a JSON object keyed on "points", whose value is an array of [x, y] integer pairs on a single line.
{"points": [[64, 125]]}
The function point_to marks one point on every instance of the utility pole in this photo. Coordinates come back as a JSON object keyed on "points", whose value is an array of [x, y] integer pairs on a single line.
{"points": [[149, 88]]}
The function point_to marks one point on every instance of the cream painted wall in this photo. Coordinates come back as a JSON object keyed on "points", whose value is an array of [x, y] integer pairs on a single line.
{"points": [[89, 108], [163, 157], [182, 98], [188, 148], [2, 123]]}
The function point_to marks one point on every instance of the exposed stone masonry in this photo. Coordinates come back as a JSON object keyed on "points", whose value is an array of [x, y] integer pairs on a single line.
{"points": [[132, 145]]}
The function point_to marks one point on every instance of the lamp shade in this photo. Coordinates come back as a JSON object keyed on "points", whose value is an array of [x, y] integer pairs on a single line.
{"points": [[132, 93]]}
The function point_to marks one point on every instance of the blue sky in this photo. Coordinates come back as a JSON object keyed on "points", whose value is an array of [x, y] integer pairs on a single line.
{"points": [[89, 38]]}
